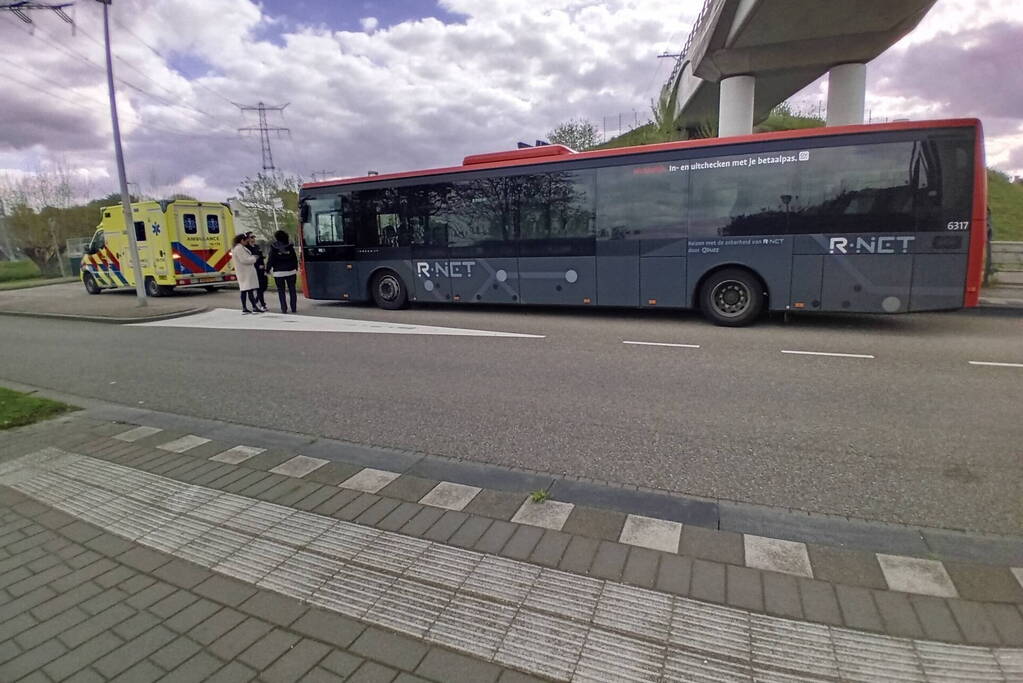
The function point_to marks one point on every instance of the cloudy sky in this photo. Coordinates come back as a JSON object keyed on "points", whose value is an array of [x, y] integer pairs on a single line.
{"points": [[393, 85]]}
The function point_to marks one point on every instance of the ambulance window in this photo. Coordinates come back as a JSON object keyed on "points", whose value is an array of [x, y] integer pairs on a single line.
{"points": [[98, 241], [140, 231], [212, 224], [191, 227]]}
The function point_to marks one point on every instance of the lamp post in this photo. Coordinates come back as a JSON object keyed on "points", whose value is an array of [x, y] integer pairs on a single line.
{"points": [[129, 222]]}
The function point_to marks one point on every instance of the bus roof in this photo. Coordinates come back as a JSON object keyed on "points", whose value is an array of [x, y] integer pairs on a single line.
{"points": [[532, 156]]}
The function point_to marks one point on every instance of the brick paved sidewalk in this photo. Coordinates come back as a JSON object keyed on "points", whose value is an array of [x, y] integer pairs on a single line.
{"points": [[79, 604]]}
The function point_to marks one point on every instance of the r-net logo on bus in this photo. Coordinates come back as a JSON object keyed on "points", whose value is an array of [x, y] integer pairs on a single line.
{"points": [[888, 244], [445, 268]]}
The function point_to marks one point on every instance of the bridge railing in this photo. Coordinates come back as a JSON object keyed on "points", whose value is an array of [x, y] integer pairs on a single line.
{"points": [[698, 26]]}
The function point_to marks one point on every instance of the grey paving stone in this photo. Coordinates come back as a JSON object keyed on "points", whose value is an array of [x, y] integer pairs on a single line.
{"points": [[95, 625], [198, 668], [781, 595], [974, 623], [409, 678], [399, 516], [399, 651], [30, 660], [579, 555], [293, 664], [82, 656], [267, 649], [82, 559], [14, 576], [142, 672], [609, 562], [220, 624], [235, 475], [356, 507], [849, 567], [213, 474], [709, 544], [225, 591], [250, 479], [984, 583], [858, 609], [50, 628], [641, 567], [102, 601], [897, 614], [174, 653], [37, 579], [133, 651], [269, 459], [274, 608], [138, 623], [371, 672], [708, 581], [421, 523], [936, 618], [193, 615], [143, 559], [301, 493], [136, 583], [549, 551], [337, 501], [314, 500], [12, 627], [495, 537], [254, 490], [495, 504], [8, 651], [605, 525], [182, 574], [333, 473], [109, 545], [281, 490], [65, 600], [341, 663], [744, 588], [150, 595], [445, 527], [521, 544], [1008, 622], [330, 627], [442, 665], [409, 488], [85, 676], [54, 519], [172, 604], [674, 574], [240, 638], [234, 672], [376, 512]]}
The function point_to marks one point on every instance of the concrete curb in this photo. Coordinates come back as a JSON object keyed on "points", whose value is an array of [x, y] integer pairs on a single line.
{"points": [[107, 318]]}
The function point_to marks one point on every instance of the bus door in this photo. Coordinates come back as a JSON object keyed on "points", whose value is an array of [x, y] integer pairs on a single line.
{"points": [[328, 249]]}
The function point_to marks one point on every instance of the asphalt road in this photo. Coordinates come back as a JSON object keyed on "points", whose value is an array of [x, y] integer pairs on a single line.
{"points": [[915, 434]]}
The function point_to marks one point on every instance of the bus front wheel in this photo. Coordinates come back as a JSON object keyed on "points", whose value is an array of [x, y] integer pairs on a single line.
{"points": [[389, 292], [732, 297]]}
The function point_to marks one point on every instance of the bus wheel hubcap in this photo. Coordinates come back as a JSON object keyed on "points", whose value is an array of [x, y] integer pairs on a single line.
{"points": [[388, 288], [731, 298]]}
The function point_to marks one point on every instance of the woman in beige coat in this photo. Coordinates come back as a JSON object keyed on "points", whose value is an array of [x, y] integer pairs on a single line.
{"points": [[245, 269]]}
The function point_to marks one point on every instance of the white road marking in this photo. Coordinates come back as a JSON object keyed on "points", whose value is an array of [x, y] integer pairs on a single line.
{"points": [[827, 353], [681, 346], [227, 319], [1000, 365]]}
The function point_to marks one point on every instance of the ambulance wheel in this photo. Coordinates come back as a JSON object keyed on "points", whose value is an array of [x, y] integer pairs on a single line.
{"points": [[211, 289], [153, 289], [91, 286], [389, 291]]}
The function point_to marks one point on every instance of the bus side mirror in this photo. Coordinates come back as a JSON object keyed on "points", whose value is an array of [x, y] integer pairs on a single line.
{"points": [[303, 211]]}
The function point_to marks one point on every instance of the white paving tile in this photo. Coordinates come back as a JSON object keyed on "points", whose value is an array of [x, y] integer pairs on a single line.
{"points": [[299, 466], [369, 480], [647, 532], [185, 443], [137, 434], [917, 575], [450, 496], [238, 454], [550, 514], [777, 555]]}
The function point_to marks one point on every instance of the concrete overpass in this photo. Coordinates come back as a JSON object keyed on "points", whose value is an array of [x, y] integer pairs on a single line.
{"points": [[744, 57]]}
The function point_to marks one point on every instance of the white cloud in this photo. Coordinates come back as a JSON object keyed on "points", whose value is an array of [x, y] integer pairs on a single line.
{"points": [[369, 24]]}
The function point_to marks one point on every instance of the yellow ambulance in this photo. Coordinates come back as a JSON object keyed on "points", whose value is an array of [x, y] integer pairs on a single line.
{"points": [[181, 243]]}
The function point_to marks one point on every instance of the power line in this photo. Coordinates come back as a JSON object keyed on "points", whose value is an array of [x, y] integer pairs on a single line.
{"points": [[20, 7], [264, 129]]}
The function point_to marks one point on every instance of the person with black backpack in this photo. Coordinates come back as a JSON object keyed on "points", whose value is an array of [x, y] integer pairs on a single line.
{"points": [[282, 263]]}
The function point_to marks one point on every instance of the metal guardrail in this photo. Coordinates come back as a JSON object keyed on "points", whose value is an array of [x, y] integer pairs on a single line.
{"points": [[698, 25]]}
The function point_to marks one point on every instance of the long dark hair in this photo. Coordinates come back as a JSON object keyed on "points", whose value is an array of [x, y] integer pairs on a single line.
{"points": [[238, 239]]}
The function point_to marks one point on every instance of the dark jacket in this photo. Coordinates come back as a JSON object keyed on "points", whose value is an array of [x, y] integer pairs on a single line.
{"points": [[258, 253], [282, 257]]}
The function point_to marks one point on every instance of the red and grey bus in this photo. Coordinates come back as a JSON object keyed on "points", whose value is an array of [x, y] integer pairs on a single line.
{"points": [[871, 219]]}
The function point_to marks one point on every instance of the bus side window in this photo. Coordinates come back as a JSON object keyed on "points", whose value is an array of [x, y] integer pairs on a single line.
{"points": [[212, 224], [329, 228]]}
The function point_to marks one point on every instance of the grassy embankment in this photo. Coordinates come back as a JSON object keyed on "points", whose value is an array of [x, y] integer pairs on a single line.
{"points": [[17, 409]]}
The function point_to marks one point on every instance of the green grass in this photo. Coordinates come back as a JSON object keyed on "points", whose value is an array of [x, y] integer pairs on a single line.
{"points": [[1006, 201], [18, 409], [18, 270], [539, 496]]}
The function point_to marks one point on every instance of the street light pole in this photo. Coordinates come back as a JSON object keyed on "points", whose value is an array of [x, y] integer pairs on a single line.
{"points": [[129, 223]]}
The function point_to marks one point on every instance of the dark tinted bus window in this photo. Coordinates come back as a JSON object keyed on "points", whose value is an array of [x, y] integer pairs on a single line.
{"points": [[554, 205], [379, 217], [480, 213], [859, 188], [645, 201], [750, 194], [425, 211], [942, 174]]}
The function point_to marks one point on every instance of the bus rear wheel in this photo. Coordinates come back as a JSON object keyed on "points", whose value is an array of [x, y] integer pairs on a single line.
{"points": [[732, 297], [91, 286], [389, 292]]}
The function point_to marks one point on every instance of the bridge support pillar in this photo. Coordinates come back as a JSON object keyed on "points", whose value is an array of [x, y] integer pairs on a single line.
{"points": [[735, 106], [847, 90]]}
